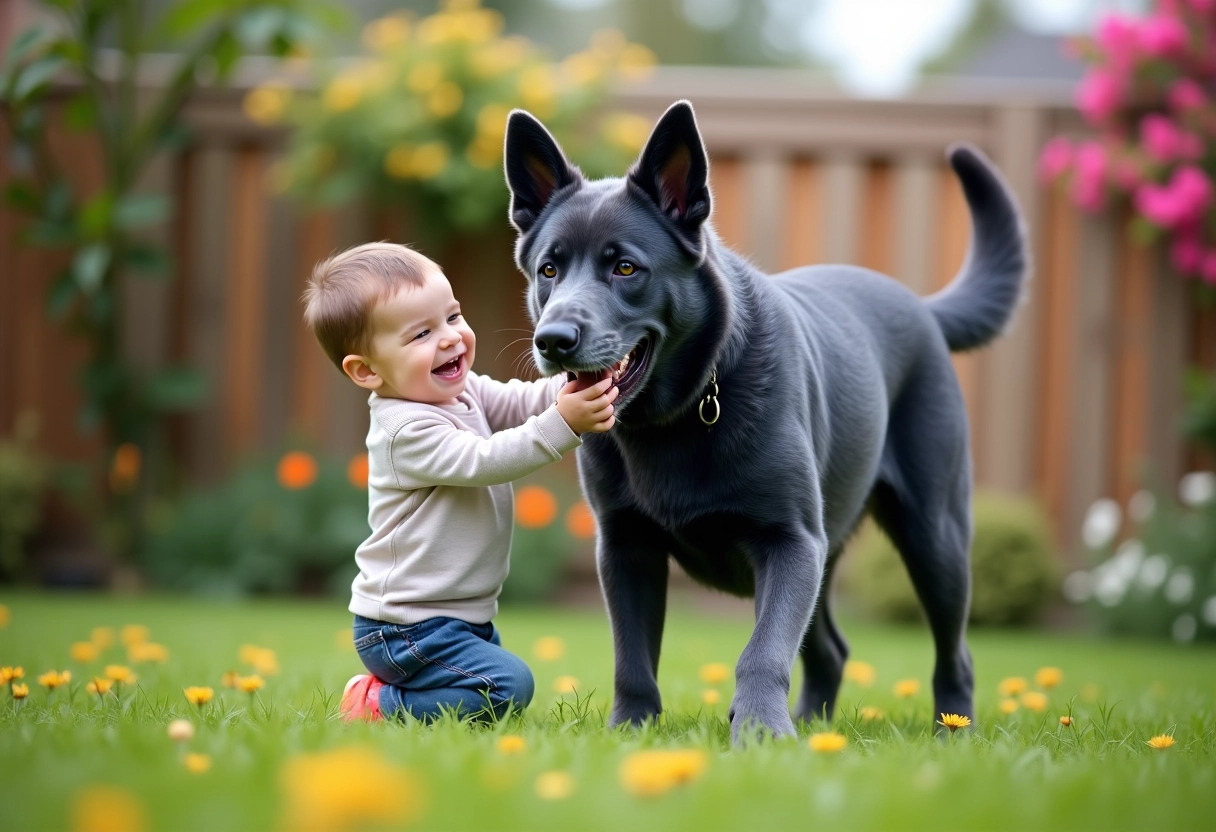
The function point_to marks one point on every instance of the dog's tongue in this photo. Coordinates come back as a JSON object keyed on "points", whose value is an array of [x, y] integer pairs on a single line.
{"points": [[588, 378]]}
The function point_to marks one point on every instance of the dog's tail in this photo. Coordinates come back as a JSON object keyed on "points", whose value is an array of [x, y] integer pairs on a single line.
{"points": [[980, 301]]}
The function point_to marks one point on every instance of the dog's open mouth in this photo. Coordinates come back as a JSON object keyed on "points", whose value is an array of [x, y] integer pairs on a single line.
{"points": [[626, 373]]}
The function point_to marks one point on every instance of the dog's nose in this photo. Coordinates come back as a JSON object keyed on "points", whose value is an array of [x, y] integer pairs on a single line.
{"points": [[557, 340]]}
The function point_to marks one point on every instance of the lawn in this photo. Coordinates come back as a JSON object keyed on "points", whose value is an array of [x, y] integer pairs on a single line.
{"points": [[279, 758]]}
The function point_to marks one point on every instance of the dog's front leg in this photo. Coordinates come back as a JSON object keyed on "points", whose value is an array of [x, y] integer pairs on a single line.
{"points": [[632, 563], [788, 577]]}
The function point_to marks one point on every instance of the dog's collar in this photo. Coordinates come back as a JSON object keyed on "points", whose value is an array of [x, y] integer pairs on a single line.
{"points": [[709, 402]]}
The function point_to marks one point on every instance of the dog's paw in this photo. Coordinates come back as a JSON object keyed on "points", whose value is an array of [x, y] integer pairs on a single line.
{"points": [[633, 713], [757, 718]]}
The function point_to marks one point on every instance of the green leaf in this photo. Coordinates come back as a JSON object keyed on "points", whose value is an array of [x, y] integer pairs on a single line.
{"points": [[149, 259], [22, 196], [227, 52], [96, 215], [60, 295], [80, 114], [176, 388], [23, 45], [257, 26], [36, 75], [191, 16], [137, 210], [89, 266]]}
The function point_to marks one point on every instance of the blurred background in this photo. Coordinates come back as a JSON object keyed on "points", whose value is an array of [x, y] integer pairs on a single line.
{"points": [[174, 169]]}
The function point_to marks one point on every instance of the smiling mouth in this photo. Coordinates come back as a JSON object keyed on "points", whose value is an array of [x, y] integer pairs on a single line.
{"points": [[625, 373], [450, 370]]}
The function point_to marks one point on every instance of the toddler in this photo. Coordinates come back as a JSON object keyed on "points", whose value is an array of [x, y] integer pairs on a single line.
{"points": [[443, 446]]}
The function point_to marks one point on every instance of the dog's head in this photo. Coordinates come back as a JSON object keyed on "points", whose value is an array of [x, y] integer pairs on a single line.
{"points": [[613, 265]]}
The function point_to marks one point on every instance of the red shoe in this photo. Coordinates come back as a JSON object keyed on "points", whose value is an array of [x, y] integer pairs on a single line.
{"points": [[361, 699]]}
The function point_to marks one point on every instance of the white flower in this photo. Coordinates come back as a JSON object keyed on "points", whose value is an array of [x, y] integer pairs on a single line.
{"points": [[1102, 523], [1184, 628], [1110, 586], [1127, 558], [1180, 587], [1078, 586], [1197, 487], [1141, 506], [1209, 611], [1153, 571]]}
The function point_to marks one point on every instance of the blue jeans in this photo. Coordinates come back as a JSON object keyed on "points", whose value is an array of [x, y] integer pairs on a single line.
{"points": [[442, 664]]}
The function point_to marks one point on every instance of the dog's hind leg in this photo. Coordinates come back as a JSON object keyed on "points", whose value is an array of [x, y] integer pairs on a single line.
{"points": [[823, 652]]}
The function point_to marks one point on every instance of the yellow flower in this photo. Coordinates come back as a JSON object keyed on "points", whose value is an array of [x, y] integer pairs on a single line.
{"points": [[907, 688], [714, 673], [263, 659], [862, 673], [537, 88], [267, 103], [636, 62], [84, 651], [554, 785], [148, 652], [53, 679], [249, 684], [347, 788], [1048, 677], [133, 634], [197, 763], [5, 616], [444, 100], [107, 809], [647, 773], [1161, 742], [430, 159], [1066, 721], [424, 77], [343, 93], [1012, 686], [181, 730], [387, 33], [120, 673], [565, 684], [1008, 706], [20, 691], [99, 686], [828, 742], [199, 695], [1034, 701], [511, 744], [954, 721], [230, 679], [711, 697], [103, 637], [871, 714], [549, 649], [582, 69], [499, 57], [608, 42], [8, 674]]}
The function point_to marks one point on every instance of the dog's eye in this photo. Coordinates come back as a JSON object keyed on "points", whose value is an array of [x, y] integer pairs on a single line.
{"points": [[549, 270], [624, 268]]}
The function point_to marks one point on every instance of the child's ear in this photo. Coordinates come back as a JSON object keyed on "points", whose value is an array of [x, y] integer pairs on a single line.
{"points": [[361, 373]]}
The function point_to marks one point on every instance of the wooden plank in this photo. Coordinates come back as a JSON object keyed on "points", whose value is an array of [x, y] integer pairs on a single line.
{"points": [[1202, 355], [1168, 359], [282, 315], [1132, 338], [802, 237], [877, 228], [184, 247], [915, 215], [729, 209], [765, 181], [844, 183], [309, 364]]}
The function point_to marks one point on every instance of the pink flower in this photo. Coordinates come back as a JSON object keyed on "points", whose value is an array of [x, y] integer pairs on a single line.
{"points": [[1162, 35], [1165, 141], [1088, 189], [1186, 94], [1127, 174], [1054, 159], [1209, 267], [1119, 37], [1182, 201], [1186, 254], [1099, 95], [1202, 5]]}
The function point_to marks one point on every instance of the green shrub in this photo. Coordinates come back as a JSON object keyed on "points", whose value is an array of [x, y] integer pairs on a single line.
{"points": [[1012, 567], [23, 486]]}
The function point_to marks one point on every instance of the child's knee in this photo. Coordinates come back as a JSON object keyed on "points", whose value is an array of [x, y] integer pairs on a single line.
{"points": [[515, 684]]}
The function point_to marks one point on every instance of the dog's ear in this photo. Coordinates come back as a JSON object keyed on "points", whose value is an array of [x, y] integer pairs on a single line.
{"points": [[536, 168], [673, 171]]}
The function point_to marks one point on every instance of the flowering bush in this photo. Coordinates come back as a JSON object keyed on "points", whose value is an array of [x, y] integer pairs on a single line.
{"points": [[419, 120], [1149, 94], [1161, 582]]}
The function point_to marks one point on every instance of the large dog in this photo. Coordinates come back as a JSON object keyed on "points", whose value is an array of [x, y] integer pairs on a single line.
{"points": [[759, 417]]}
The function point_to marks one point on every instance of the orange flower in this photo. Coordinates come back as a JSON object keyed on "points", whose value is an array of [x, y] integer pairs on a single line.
{"points": [[356, 471], [1066, 721], [649, 773], [711, 696], [120, 674], [133, 634], [1161, 742], [1013, 685], [197, 763], [124, 468], [1008, 706], [565, 684], [99, 686], [8, 674], [53, 679], [20, 691], [828, 742], [297, 470], [1035, 701], [870, 713], [535, 507], [863, 673], [580, 522], [549, 648], [199, 695], [511, 744], [714, 673], [906, 688], [250, 684], [84, 652], [1048, 677], [98, 808], [230, 679], [148, 651]]}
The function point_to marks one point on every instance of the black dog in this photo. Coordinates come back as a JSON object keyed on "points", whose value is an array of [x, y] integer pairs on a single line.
{"points": [[759, 417]]}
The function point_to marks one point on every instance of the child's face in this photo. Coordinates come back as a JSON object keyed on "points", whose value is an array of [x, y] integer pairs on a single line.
{"points": [[421, 349]]}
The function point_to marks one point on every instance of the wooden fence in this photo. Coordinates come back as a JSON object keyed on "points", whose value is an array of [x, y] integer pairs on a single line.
{"points": [[1078, 401]]}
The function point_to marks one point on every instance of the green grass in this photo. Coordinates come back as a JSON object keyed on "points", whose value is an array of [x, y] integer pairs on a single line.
{"points": [[1023, 772]]}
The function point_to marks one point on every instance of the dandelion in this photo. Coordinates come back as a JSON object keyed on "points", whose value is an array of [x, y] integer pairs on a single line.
{"points": [[565, 684], [1008, 706], [711, 696], [99, 687], [511, 744], [1066, 721], [250, 684], [148, 652], [230, 679], [102, 637], [954, 721], [871, 714], [262, 659], [1013, 685], [53, 679], [133, 634], [907, 688], [535, 507], [862, 673], [199, 696], [106, 808], [120, 674], [181, 730], [549, 649], [1048, 677], [20, 691], [554, 785], [347, 788], [84, 652], [714, 673], [197, 763], [827, 742], [649, 773], [8, 674], [1161, 742], [1034, 701]]}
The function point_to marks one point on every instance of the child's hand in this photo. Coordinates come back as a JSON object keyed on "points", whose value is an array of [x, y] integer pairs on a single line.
{"points": [[590, 409]]}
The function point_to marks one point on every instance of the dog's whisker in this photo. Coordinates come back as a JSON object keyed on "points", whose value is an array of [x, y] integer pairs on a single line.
{"points": [[508, 346]]}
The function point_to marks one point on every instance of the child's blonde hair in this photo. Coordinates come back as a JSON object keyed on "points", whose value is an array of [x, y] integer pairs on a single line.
{"points": [[343, 289]]}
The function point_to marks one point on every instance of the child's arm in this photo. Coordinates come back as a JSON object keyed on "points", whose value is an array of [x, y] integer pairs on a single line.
{"points": [[508, 404]]}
